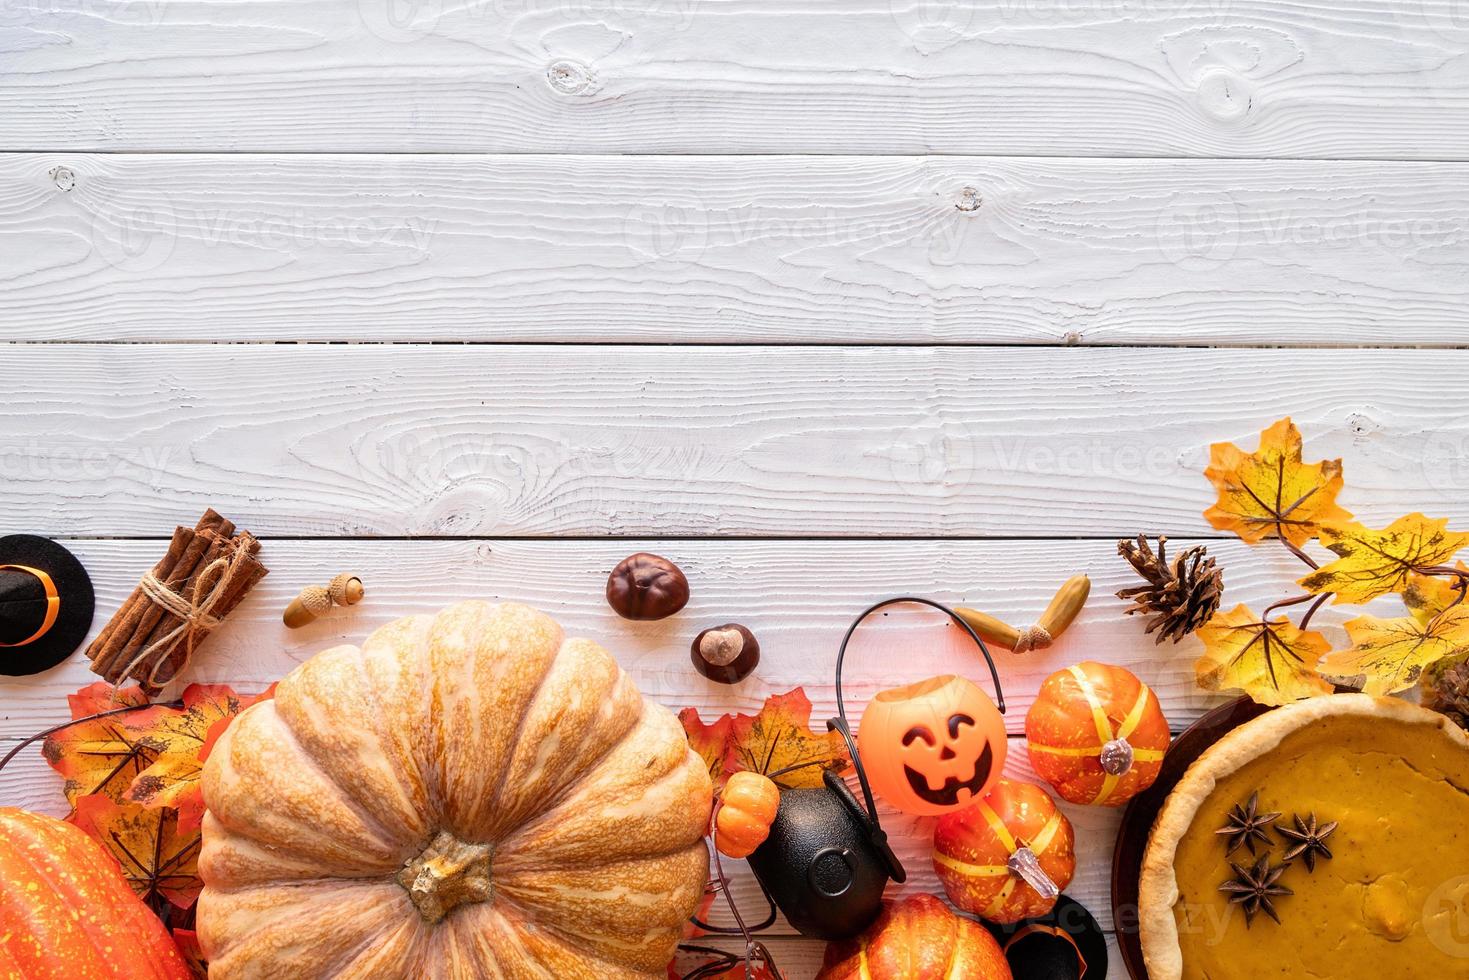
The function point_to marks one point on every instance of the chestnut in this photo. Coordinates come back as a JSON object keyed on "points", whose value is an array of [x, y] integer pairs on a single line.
{"points": [[645, 586], [725, 653]]}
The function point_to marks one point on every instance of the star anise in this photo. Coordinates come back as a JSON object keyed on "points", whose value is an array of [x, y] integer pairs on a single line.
{"points": [[1254, 888], [1247, 825], [1307, 840]]}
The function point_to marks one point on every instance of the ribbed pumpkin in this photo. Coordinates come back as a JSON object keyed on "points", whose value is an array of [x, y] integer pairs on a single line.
{"points": [[917, 938], [747, 808], [66, 912], [1097, 734], [470, 794], [973, 851]]}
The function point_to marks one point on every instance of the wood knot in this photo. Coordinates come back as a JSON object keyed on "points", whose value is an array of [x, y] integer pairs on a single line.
{"points": [[571, 77]]}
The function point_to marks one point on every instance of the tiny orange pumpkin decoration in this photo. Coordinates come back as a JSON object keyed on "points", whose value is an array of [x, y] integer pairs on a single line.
{"points": [[932, 747], [1008, 857], [1097, 734], [748, 807]]}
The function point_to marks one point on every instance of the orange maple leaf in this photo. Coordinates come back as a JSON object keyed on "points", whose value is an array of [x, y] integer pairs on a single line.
{"points": [[1274, 663], [1271, 492], [778, 737], [159, 859], [152, 755]]}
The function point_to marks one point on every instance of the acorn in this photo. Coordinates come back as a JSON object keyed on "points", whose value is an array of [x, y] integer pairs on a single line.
{"points": [[314, 600], [725, 653]]}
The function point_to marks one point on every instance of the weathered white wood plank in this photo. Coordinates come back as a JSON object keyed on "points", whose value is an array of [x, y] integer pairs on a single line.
{"points": [[775, 250], [1348, 78], [123, 440]]}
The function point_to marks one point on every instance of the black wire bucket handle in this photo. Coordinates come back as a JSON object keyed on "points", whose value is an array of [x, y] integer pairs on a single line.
{"points": [[840, 724]]}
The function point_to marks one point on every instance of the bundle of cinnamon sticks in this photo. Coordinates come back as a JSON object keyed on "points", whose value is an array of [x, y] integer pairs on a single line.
{"points": [[207, 571]]}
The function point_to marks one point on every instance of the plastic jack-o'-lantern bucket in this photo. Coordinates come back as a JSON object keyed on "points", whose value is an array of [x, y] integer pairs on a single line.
{"points": [[933, 747]]}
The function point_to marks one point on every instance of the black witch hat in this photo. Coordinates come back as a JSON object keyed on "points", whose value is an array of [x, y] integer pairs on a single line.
{"points": [[45, 604]]}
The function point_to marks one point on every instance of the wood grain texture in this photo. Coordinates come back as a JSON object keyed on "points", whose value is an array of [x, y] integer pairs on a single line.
{"points": [[1260, 78], [745, 249], [124, 440], [796, 596]]}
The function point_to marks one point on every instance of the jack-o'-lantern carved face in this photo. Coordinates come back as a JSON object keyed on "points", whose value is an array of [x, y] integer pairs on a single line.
{"points": [[934, 746]]}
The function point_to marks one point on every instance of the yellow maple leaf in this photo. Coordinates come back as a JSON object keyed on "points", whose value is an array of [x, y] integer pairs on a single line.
{"points": [[1271, 492], [1373, 563], [1389, 655], [1274, 663], [1425, 596]]}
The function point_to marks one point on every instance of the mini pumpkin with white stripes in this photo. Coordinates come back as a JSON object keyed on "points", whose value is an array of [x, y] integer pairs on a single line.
{"points": [[1007, 857], [1097, 734]]}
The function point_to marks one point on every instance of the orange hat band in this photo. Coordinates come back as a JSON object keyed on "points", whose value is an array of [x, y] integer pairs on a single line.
{"points": [[1035, 928], [53, 604]]}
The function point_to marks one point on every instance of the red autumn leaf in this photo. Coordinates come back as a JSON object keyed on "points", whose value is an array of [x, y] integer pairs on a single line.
{"points": [[778, 739], [159, 859], [102, 696], [188, 944], [710, 741]]}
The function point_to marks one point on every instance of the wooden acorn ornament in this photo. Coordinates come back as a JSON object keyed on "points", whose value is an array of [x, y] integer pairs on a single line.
{"points": [[1059, 613], [315, 600]]}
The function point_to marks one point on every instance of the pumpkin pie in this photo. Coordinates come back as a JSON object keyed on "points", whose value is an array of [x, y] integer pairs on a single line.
{"points": [[1348, 817]]}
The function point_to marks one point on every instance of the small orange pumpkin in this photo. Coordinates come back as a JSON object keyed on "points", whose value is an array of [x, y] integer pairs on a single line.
{"points": [[1097, 734], [750, 801], [917, 937], [932, 747], [1008, 857]]}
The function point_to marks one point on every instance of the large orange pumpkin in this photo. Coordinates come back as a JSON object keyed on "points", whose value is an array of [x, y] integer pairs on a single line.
{"points": [[917, 938], [1097, 734], [67, 913], [980, 853], [470, 794]]}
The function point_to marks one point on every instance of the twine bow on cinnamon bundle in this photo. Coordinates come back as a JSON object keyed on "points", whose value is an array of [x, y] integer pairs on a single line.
{"points": [[206, 572]]}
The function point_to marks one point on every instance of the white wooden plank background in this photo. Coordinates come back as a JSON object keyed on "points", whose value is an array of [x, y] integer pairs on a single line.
{"points": [[1098, 180], [731, 249], [656, 441], [1253, 78]]}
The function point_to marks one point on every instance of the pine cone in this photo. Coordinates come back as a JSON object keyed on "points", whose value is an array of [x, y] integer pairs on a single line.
{"points": [[1448, 694], [1180, 598]]}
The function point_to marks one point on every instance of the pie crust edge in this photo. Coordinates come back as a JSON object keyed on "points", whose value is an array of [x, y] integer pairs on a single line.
{"points": [[1157, 885]]}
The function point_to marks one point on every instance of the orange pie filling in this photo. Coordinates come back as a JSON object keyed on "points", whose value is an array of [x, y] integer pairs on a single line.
{"points": [[1392, 903]]}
